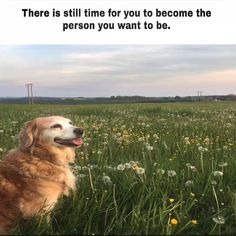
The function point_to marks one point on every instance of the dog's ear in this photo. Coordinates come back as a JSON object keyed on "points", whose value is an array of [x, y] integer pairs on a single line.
{"points": [[28, 135]]}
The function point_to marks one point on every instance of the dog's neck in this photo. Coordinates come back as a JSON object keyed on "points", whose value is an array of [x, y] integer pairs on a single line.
{"points": [[54, 154]]}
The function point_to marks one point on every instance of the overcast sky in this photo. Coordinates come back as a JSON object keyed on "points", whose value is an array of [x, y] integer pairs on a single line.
{"points": [[90, 71]]}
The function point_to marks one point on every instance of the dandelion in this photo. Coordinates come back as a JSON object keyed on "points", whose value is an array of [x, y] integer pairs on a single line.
{"points": [[201, 149], [155, 136], [171, 173], [213, 182], [99, 152], [206, 141], [186, 140], [1, 150], [194, 222], [133, 163], [192, 194], [141, 139], [127, 165], [149, 147], [193, 168], [218, 173], [223, 164], [81, 176], [171, 200], [174, 221], [188, 183], [120, 167], [139, 170], [219, 220], [106, 180], [160, 171]]}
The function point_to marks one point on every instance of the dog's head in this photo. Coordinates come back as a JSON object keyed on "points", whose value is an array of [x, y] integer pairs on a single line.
{"points": [[52, 130]]}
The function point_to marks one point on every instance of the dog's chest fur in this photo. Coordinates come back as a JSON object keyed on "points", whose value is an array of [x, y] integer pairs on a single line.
{"points": [[39, 182]]}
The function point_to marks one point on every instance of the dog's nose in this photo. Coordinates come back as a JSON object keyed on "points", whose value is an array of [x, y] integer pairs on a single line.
{"points": [[79, 131]]}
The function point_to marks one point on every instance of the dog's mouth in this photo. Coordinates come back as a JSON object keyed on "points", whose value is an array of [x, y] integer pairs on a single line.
{"points": [[69, 142]]}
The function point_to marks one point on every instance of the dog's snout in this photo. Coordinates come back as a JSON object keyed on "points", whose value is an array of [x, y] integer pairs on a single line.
{"points": [[79, 131]]}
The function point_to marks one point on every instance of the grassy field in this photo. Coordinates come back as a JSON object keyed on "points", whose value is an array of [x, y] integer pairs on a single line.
{"points": [[144, 168]]}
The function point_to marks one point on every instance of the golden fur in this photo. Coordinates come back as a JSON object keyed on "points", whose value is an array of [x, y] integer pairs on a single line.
{"points": [[35, 175]]}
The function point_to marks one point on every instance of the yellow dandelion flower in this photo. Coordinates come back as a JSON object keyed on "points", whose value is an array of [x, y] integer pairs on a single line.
{"points": [[171, 200], [194, 222], [135, 167], [174, 221]]}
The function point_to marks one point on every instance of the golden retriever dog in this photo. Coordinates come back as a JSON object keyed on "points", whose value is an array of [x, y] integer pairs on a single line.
{"points": [[37, 173]]}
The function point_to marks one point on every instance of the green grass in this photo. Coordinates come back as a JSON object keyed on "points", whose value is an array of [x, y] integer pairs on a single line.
{"points": [[190, 141]]}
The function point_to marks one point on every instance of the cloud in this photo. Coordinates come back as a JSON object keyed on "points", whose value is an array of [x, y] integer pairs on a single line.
{"points": [[112, 70]]}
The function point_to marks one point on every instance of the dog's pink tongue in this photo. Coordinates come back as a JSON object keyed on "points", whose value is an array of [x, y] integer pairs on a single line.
{"points": [[77, 141]]}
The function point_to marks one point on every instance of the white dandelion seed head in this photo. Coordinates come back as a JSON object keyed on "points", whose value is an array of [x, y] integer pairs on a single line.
{"points": [[171, 173], [160, 171], [120, 167], [213, 182], [155, 136], [189, 183], [219, 220], [106, 179], [81, 176], [127, 165], [133, 163], [141, 139], [218, 173], [149, 147], [223, 164], [193, 168], [201, 149]]}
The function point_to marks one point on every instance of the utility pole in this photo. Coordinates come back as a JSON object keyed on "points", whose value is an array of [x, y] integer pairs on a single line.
{"points": [[30, 93], [199, 94]]}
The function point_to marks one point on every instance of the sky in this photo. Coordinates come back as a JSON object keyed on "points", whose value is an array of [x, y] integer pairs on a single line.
{"points": [[103, 71]]}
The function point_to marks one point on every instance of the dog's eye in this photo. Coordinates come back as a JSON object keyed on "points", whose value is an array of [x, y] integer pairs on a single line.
{"points": [[56, 126], [70, 122]]}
